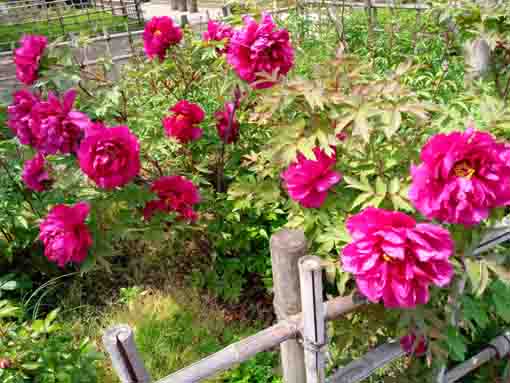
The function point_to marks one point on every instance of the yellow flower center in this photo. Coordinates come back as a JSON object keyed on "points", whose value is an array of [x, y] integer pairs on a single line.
{"points": [[157, 33], [462, 169], [387, 258], [180, 117]]}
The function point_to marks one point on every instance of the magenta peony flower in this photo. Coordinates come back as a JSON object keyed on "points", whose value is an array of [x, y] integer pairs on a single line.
{"points": [[395, 259], [222, 119], [20, 119], [5, 363], [462, 176], [260, 48], [35, 175], [109, 156], [57, 126], [182, 124], [159, 34], [176, 194], [308, 181], [27, 57], [407, 343], [64, 234], [217, 31]]}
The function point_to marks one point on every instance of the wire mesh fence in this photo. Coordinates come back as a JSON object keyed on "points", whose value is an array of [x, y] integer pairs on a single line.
{"points": [[56, 18]]}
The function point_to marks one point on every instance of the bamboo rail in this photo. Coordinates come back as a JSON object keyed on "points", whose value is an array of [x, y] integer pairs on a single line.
{"points": [[286, 246]]}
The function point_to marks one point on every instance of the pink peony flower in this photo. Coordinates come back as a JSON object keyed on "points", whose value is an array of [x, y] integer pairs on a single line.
{"points": [[222, 119], [159, 34], [395, 259], [462, 176], [217, 31], [64, 234], [20, 119], [109, 156], [57, 126], [308, 181], [27, 57], [260, 48], [176, 194], [407, 343], [182, 123], [34, 175]]}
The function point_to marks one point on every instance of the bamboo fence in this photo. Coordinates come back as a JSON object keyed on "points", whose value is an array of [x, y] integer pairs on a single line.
{"points": [[300, 330]]}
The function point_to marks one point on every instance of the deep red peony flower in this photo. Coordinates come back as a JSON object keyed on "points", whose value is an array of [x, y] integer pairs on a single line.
{"points": [[175, 194], [57, 126], [308, 181], [109, 156], [222, 119], [395, 259], [461, 178], [407, 343], [182, 124], [159, 34], [35, 175], [27, 57], [260, 48], [65, 235], [20, 119]]}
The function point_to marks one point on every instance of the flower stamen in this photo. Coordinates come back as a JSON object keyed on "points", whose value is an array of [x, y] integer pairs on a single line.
{"points": [[157, 33], [462, 169]]}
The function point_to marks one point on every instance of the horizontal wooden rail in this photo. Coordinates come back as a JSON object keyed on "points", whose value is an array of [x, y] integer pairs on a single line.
{"points": [[381, 356], [271, 337], [365, 366]]}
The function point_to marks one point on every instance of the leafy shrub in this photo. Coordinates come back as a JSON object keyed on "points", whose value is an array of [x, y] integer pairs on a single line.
{"points": [[43, 351]]}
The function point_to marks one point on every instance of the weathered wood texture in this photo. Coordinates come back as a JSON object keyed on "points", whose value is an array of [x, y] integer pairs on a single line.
{"points": [[120, 345], [500, 348], [267, 339], [287, 247], [365, 366], [314, 332]]}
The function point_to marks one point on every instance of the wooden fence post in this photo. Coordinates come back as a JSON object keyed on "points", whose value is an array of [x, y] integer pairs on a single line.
{"points": [[287, 246], [314, 321], [119, 342]]}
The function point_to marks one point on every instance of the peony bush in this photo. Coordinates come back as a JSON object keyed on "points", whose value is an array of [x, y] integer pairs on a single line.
{"points": [[223, 129]]}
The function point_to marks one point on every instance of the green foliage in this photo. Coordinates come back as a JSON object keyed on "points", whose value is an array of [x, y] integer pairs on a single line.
{"points": [[43, 351], [258, 369]]}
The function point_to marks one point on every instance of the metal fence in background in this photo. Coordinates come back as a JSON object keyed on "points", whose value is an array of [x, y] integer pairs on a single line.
{"points": [[56, 18]]}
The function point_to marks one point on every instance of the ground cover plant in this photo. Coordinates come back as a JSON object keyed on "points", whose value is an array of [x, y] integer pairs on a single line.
{"points": [[390, 158]]}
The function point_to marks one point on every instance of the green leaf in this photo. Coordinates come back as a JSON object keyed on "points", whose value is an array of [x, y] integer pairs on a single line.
{"points": [[499, 293], [30, 366], [50, 318], [474, 273], [380, 186], [474, 311], [484, 280], [357, 184], [394, 186], [360, 199], [400, 203], [456, 344]]}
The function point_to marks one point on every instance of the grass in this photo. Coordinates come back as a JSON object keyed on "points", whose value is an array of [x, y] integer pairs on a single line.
{"points": [[90, 21], [174, 329]]}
